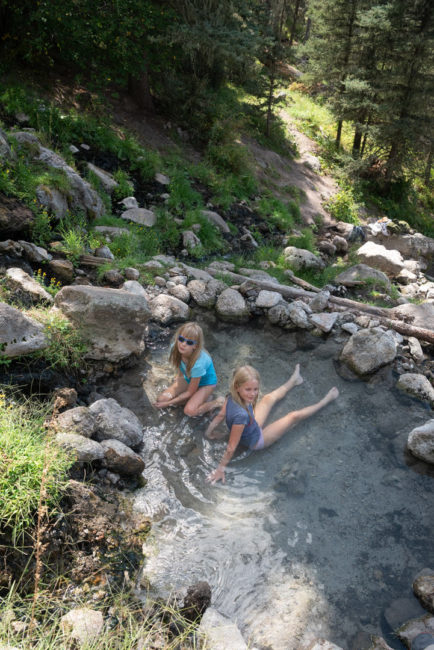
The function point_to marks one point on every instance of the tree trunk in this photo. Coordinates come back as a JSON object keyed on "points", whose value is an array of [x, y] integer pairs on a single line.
{"points": [[428, 165], [294, 22], [357, 141], [270, 98], [339, 134], [138, 88]]}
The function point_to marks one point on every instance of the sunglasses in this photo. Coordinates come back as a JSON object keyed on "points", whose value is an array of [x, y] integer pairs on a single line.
{"points": [[182, 339]]}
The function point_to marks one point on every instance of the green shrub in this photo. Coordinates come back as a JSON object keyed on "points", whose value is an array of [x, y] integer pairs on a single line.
{"points": [[124, 188], [282, 215], [66, 345], [306, 240], [41, 228], [343, 207]]}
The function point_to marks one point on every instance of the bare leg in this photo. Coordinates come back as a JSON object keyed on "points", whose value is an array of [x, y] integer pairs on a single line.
{"points": [[198, 404], [178, 387], [275, 431], [265, 405]]}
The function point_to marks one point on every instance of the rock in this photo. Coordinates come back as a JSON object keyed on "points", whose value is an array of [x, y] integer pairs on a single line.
{"points": [[76, 420], [361, 274], [231, 306], [220, 632], [113, 277], [377, 256], [312, 162], [134, 287], [368, 350], [34, 253], [129, 202], [121, 459], [423, 586], [162, 179], [257, 274], [297, 314], [280, 315], [421, 442], [131, 273], [111, 232], [267, 299], [190, 240], [324, 322], [400, 610], [379, 644], [5, 150], [422, 625], [196, 601], [52, 200], [19, 335], [83, 624], [168, 309], [418, 315], [14, 216], [414, 246], [10, 247], [415, 349], [222, 266], [196, 274], [64, 398], [320, 302], [299, 258], [107, 181], [180, 292], [113, 422], [104, 252], [111, 320], [325, 246], [25, 287], [416, 385], [215, 219], [85, 450], [62, 270], [351, 328], [341, 244], [141, 216], [322, 644], [406, 277]]}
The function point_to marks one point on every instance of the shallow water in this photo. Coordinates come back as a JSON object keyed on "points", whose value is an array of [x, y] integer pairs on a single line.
{"points": [[314, 536]]}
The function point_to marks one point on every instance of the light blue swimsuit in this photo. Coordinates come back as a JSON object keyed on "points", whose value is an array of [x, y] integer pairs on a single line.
{"points": [[203, 368]]}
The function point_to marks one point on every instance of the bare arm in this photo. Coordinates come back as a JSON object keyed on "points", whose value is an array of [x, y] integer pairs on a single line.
{"points": [[216, 420], [182, 397], [234, 438]]}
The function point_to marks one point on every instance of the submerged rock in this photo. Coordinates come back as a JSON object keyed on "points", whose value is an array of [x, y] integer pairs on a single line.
{"points": [[220, 632], [416, 385], [421, 442]]}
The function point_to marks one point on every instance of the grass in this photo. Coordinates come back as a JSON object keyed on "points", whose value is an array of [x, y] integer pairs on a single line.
{"points": [[26, 452], [66, 345]]}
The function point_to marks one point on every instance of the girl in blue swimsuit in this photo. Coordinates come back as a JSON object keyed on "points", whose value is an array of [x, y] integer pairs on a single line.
{"points": [[196, 378], [245, 418]]}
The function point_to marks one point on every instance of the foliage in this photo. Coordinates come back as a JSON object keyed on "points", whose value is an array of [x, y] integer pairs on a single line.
{"points": [[343, 207], [284, 215], [124, 188], [41, 228], [53, 285], [26, 455], [182, 195], [306, 240], [66, 344], [209, 234]]}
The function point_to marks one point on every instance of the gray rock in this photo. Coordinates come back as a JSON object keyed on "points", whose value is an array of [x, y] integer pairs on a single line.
{"points": [[104, 252], [219, 632], [26, 287], [351, 328], [53, 200], [113, 277], [131, 273], [414, 246], [83, 624], [141, 216], [205, 293], [324, 322], [422, 625], [258, 274], [378, 257], [34, 253], [415, 349], [231, 306], [129, 202], [421, 442], [416, 385], [14, 216], [320, 302], [162, 179], [267, 299], [297, 314], [19, 335], [280, 314], [113, 422], [62, 270], [134, 287], [322, 644], [222, 266], [5, 150], [121, 459], [418, 315], [406, 277], [378, 644], [85, 450], [340, 243], [107, 181], [423, 586], [110, 232], [312, 162], [168, 309], [299, 258], [181, 292], [190, 240], [77, 420], [215, 219], [325, 246], [368, 350], [196, 274], [361, 274], [111, 320], [10, 247]]}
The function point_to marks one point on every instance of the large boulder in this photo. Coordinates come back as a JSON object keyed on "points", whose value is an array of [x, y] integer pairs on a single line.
{"points": [[410, 246], [52, 200], [168, 309], [121, 459], [113, 422], [299, 258], [231, 306], [34, 253], [416, 385], [418, 315], [111, 320], [14, 216], [362, 274], [25, 287], [368, 350], [19, 335], [377, 256]]}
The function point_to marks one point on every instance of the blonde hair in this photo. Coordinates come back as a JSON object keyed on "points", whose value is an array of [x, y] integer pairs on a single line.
{"points": [[190, 331], [240, 376]]}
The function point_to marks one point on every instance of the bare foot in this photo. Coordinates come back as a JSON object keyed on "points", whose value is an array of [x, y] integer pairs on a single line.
{"points": [[296, 378], [219, 401], [331, 395]]}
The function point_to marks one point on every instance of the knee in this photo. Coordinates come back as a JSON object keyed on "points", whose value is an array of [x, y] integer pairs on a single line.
{"points": [[190, 410]]}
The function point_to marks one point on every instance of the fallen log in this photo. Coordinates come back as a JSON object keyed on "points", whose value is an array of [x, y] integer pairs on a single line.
{"points": [[381, 313]]}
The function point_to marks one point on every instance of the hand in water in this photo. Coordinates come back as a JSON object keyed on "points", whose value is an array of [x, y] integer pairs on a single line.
{"points": [[217, 475], [161, 405]]}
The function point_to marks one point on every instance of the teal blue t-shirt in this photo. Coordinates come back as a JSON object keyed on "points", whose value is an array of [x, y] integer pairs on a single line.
{"points": [[203, 368]]}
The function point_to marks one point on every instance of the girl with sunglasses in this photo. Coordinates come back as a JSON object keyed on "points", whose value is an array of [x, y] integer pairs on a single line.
{"points": [[196, 378], [245, 418]]}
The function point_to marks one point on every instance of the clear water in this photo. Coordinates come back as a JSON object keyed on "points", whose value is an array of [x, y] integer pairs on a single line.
{"points": [[314, 536]]}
